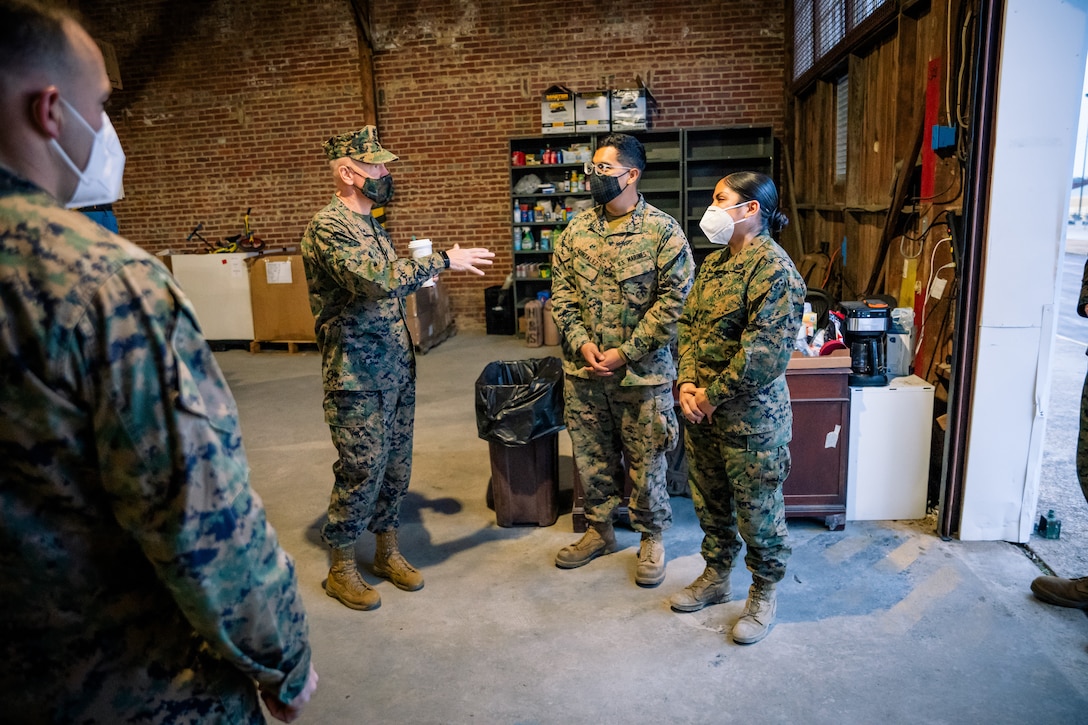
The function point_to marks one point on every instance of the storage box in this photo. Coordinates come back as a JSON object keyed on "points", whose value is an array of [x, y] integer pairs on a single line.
{"points": [[592, 112], [280, 300], [557, 110], [429, 316], [632, 109]]}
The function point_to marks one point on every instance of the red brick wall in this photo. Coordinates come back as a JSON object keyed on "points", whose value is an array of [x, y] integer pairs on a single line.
{"points": [[224, 107], [226, 103]]}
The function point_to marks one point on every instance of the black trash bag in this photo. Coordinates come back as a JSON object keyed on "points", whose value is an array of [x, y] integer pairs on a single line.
{"points": [[518, 401]]}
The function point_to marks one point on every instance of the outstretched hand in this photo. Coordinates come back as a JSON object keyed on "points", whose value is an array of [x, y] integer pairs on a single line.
{"points": [[466, 260]]}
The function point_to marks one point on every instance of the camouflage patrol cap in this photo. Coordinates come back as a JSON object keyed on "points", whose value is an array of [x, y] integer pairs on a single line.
{"points": [[361, 145]]}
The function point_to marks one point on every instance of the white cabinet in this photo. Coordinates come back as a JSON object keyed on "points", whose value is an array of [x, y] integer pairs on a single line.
{"points": [[890, 430]]}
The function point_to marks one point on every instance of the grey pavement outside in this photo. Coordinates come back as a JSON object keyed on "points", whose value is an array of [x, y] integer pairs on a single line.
{"points": [[1058, 486]]}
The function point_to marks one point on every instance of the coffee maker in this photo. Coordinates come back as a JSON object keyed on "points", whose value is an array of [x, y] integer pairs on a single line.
{"points": [[866, 336]]}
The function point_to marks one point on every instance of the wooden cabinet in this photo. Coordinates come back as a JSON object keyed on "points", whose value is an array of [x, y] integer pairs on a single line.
{"points": [[816, 486], [821, 420]]}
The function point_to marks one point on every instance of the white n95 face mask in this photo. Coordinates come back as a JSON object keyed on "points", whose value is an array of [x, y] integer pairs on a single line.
{"points": [[717, 225], [100, 181]]}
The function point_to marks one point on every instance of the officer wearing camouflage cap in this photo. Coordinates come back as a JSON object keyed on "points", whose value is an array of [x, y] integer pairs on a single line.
{"points": [[357, 289], [140, 577]]}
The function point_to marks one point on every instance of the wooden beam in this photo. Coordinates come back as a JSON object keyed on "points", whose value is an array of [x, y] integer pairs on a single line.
{"points": [[899, 198]]}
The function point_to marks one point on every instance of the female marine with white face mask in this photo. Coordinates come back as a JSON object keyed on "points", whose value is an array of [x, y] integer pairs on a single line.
{"points": [[735, 336]]}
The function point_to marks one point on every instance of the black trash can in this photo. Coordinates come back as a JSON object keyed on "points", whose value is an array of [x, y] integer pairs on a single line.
{"points": [[519, 411], [499, 311]]}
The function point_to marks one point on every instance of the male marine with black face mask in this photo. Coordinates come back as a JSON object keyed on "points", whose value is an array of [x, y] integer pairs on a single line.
{"points": [[620, 273], [357, 290]]}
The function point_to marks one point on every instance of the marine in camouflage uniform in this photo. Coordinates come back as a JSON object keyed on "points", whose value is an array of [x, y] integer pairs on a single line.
{"points": [[1059, 590], [140, 577], [622, 287], [736, 336], [357, 289]]}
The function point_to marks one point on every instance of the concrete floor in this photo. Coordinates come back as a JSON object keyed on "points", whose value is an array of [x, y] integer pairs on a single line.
{"points": [[881, 622]]}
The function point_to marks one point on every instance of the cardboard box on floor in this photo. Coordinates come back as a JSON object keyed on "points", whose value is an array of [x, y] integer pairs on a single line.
{"points": [[429, 317], [280, 298]]}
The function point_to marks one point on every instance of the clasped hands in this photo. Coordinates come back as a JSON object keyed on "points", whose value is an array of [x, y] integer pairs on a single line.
{"points": [[600, 363], [694, 404]]}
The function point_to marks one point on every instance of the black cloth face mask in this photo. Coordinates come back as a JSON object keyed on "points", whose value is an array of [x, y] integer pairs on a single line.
{"points": [[604, 188], [380, 191]]}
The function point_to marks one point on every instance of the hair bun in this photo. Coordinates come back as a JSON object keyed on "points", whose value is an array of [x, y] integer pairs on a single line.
{"points": [[778, 221]]}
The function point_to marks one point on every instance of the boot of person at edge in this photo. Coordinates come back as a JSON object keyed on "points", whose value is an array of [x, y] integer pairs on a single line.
{"points": [[599, 539], [345, 583], [710, 587], [1062, 592], [651, 561], [755, 623], [390, 564]]}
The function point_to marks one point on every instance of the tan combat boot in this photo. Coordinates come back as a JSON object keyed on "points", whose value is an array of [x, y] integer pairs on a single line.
{"points": [[710, 587], [1062, 592], [651, 561], [345, 584], [759, 613], [390, 564], [598, 539]]}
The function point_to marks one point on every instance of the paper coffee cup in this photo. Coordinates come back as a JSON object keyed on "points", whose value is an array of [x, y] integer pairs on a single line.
{"points": [[421, 248]]}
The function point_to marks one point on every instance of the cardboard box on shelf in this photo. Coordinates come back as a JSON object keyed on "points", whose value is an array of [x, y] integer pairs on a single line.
{"points": [[632, 109], [557, 110], [280, 299], [592, 112]]}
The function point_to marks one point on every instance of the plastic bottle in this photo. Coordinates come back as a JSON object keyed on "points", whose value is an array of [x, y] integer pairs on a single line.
{"points": [[517, 211], [526, 239], [534, 323], [1053, 525], [551, 330]]}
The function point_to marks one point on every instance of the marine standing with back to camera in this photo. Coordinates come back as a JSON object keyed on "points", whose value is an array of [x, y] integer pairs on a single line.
{"points": [[140, 578], [357, 289], [736, 337], [620, 273], [1054, 589]]}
